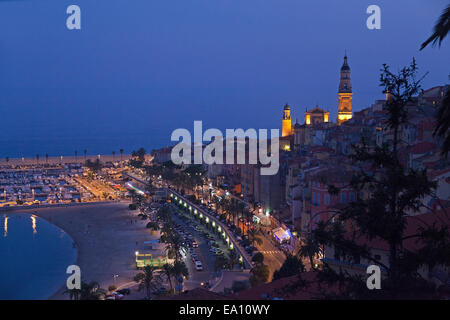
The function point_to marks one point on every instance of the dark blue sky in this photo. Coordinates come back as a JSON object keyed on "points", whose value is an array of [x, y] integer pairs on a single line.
{"points": [[139, 69]]}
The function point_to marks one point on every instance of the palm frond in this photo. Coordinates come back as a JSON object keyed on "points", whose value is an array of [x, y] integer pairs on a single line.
{"points": [[440, 31]]}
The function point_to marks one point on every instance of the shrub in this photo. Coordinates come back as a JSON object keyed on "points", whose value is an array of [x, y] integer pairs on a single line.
{"points": [[258, 258], [112, 288], [239, 286]]}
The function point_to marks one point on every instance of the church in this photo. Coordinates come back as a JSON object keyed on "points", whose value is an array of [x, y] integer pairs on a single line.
{"points": [[318, 115]]}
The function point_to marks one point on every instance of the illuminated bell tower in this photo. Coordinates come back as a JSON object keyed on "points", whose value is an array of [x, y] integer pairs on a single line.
{"points": [[286, 128], [345, 94]]}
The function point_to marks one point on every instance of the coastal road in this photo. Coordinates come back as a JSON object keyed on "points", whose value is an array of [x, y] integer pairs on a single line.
{"points": [[236, 244], [273, 257]]}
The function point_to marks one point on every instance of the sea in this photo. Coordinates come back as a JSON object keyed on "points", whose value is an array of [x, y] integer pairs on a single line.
{"points": [[34, 256]]}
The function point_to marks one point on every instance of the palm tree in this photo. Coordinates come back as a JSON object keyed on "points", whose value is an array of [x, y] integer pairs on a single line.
{"points": [[76, 156], [113, 154], [91, 291], [174, 244], [74, 294], [46, 158], [254, 238], [7, 159], [88, 291], [121, 153], [180, 269], [249, 219], [233, 259], [309, 250], [169, 272], [37, 158], [442, 129], [147, 280], [163, 215], [85, 152], [441, 29]]}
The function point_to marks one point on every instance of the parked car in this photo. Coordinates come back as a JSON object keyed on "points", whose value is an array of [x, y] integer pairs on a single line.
{"points": [[159, 291], [198, 266], [117, 295], [124, 291]]}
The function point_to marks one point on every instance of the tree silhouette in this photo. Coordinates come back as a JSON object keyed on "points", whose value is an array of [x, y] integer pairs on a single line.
{"points": [[440, 31], [394, 193], [442, 129]]}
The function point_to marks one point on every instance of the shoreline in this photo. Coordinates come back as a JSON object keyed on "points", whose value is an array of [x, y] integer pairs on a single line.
{"points": [[64, 159], [102, 250], [53, 296], [52, 205]]}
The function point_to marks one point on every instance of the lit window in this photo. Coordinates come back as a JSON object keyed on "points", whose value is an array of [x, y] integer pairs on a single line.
{"points": [[352, 196], [327, 198]]}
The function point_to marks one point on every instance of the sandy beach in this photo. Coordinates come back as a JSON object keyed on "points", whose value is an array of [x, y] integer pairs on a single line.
{"points": [[106, 236]]}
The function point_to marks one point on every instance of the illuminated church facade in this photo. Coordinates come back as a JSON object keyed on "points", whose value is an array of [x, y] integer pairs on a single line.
{"points": [[318, 115]]}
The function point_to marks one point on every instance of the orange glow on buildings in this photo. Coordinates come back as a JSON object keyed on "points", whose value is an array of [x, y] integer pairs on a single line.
{"points": [[286, 129], [345, 94]]}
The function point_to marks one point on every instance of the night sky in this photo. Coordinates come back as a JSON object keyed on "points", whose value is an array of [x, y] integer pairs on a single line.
{"points": [[138, 69]]}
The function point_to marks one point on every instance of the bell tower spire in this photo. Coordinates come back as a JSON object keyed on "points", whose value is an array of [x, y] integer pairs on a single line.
{"points": [[345, 93], [286, 128]]}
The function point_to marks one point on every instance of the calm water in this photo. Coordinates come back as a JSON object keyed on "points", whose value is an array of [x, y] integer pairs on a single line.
{"points": [[34, 255]]}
